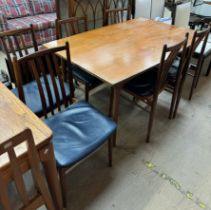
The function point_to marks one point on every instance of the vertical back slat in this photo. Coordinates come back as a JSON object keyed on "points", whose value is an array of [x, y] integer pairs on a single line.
{"points": [[18, 76], [53, 80], [17, 176], [23, 44], [18, 46], [55, 62], [41, 91], [11, 45], [36, 172], [39, 62]]}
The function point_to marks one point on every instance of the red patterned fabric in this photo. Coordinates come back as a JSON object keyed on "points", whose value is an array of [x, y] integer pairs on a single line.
{"points": [[42, 36], [3, 22], [42, 6], [15, 8], [39, 22]]}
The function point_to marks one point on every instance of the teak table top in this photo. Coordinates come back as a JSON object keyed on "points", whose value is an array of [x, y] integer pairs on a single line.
{"points": [[118, 52], [15, 117]]}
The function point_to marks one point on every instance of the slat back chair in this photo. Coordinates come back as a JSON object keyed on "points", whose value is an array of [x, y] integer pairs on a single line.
{"points": [[70, 26], [79, 129], [206, 22], [14, 45], [198, 38], [199, 45], [42, 196], [114, 16], [155, 80], [48, 75]]}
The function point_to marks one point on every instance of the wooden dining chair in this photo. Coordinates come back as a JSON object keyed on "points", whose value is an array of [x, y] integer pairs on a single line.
{"points": [[14, 44], [150, 84], [42, 196], [201, 52], [117, 15], [203, 24], [68, 27], [198, 37], [78, 129]]}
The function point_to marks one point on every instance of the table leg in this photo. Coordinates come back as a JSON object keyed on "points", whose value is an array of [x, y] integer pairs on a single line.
{"points": [[114, 107], [49, 164]]}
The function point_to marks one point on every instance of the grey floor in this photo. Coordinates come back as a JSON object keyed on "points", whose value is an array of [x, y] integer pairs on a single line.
{"points": [[172, 172]]}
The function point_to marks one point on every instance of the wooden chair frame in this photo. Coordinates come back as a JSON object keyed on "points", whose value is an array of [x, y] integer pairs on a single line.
{"points": [[168, 56], [35, 63], [199, 37], [72, 26], [117, 15], [8, 38], [43, 195], [36, 66]]}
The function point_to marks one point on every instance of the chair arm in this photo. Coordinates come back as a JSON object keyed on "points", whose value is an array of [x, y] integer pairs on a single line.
{"points": [[3, 22]]}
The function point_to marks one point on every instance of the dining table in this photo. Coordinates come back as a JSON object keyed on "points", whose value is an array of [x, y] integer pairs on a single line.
{"points": [[16, 117], [117, 53]]}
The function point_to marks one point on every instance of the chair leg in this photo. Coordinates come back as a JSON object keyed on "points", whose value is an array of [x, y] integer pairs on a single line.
{"points": [[110, 147], [178, 97], [87, 92], [151, 118], [63, 185], [173, 100], [195, 81], [209, 68], [199, 72]]}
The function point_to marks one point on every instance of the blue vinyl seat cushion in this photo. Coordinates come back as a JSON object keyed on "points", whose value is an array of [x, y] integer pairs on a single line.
{"points": [[144, 84], [32, 96], [77, 131], [85, 77]]}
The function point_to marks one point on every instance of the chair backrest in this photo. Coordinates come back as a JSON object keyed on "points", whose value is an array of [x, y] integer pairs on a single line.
{"points": [[46, 70], [70, 26], [14, 44], [181, 16], [43, 195], [113, 16], [169, 54], [199, 40]]}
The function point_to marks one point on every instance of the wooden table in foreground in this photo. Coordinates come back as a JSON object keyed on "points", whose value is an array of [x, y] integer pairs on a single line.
{"points": [[119, 52], [14, 118]]}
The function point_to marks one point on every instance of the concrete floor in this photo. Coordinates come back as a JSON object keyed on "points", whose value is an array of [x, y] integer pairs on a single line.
{"points": [[172, 172]]}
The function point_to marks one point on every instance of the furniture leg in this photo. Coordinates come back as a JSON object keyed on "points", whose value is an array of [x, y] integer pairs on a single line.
{"points": [[49, 165], [114, 107], [209, 68], [199, 72], [151, 119], [110, 147], [63, 185]]}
